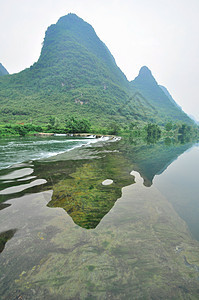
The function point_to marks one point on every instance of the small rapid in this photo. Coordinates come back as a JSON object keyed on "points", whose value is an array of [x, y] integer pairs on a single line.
{"points": [[14, 150]]}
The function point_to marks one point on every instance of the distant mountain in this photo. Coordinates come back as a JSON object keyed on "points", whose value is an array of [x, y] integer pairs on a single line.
{"points": [[76, 75], [145, 78], [3, 70], [157, 98], [169, 96], [194, 119]]}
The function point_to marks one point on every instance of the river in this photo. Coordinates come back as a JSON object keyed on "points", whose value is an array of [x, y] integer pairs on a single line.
{"points": [[106, 220]]}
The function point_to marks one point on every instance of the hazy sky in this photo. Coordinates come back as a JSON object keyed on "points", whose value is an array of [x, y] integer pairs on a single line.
{"points": [[161, 34]]}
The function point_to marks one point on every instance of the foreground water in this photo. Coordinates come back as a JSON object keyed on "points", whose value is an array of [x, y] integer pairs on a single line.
{"points": [[66, 235], [16, 150]]}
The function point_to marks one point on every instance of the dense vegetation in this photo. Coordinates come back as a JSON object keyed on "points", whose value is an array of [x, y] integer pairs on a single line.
{"points": [[158, 98], [19, 129], [135, 131], [76, 75]]}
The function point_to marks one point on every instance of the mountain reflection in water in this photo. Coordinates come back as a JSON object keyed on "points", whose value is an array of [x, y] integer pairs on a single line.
{"points": [[136, 243], [4, 237], [76, 181]]}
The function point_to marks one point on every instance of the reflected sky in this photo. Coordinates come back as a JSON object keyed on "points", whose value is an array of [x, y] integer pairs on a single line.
{"points": [[180, 184], [137, 243]]}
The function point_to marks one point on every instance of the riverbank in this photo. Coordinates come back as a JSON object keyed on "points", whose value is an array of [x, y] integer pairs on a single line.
{"points": [[149, 132]]}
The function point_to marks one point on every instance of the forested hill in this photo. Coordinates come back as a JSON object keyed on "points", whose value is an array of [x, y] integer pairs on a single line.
{"points": [[157, 98], [169, 95], [73, 52], [76, 75], [3, 70]]}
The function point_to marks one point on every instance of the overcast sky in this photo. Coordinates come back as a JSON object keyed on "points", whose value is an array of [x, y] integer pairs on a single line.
{"points": [[161, 34]]}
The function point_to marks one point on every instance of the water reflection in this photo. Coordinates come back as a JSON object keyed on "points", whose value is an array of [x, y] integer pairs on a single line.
{"points": [[84, 196], [77, 185], [138, 244], [22, 187], [4, 205], [77, 178], [153, 159], [180, 184], [133, 251], [4, 237]]}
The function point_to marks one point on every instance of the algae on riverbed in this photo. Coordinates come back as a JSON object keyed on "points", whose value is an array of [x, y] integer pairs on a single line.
{"points": [[83, 195], [136, 247], [132, 254]]}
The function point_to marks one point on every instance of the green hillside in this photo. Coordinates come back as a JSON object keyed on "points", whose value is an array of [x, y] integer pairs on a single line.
{"points": [[164, 89], [76, 75], [160, 102], [3, 70]]}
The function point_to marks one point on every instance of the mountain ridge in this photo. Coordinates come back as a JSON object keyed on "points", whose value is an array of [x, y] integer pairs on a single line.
{"points": [[169, 96], [77, 75], [158, 96], [3, 70]]}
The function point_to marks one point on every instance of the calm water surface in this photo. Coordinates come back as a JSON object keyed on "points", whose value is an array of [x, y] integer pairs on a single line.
{"points": [[66, 235], [180, 184]]}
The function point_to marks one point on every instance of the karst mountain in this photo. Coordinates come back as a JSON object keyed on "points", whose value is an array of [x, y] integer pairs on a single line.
{"points": [[76, 75]]}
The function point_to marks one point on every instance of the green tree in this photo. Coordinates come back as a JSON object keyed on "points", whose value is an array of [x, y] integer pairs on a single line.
{"points": [[52, 120], [169, 126], [74, 125], [153, 132], [21, 130], [114, 128], [132, 125]]}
